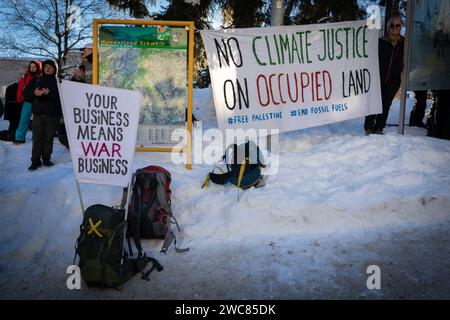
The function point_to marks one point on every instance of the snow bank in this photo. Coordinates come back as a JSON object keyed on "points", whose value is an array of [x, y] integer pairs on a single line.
{"points": [[331, 179]]}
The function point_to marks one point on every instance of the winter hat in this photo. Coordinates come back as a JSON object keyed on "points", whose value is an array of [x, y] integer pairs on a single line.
{"points": [[89, 45], [52, 63]]}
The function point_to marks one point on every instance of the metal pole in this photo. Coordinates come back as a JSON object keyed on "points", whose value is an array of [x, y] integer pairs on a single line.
{"points": [[383, 21], [277, 13], [188, 150], [406, 64], [79, 196], [276, 19], [127, 204]]}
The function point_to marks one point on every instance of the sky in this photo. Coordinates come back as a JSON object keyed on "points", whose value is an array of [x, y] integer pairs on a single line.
{"points": [[154, 6]]}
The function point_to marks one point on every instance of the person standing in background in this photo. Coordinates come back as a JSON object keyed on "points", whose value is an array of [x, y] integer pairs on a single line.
{"points": [[43, 93], [84, 72], [33, 70], [390, 53], [12, 110]]}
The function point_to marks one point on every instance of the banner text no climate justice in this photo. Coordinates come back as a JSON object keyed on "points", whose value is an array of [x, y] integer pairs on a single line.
{"points": [[295, 48]]}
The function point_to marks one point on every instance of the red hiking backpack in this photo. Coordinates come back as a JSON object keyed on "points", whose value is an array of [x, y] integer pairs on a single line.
{"points": [[150, 203]]}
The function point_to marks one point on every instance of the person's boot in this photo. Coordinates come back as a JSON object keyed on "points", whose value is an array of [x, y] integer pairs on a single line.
{"points": [[35, 165], [412, 119], [48, 163], [378, 131]]}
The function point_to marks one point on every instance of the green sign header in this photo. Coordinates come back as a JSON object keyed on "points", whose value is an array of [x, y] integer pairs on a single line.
{"points": [[143, 37]]}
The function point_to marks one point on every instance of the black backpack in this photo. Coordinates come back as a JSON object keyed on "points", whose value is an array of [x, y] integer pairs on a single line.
{"points": [[103, 260], [243, 164]]}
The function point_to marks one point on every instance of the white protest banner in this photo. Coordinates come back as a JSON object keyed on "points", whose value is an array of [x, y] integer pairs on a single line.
{"points": [[101, 125], [293, 77]]}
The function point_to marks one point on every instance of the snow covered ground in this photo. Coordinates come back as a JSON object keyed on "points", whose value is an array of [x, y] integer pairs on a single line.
{"points": [[341, 202]]}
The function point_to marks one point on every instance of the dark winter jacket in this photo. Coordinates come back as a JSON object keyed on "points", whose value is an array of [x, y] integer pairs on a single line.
{"points": [[12, 107], [391, 62], [50, 104]]}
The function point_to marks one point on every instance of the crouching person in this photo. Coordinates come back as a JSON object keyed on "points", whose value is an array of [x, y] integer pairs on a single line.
{"points": [[43, 94]]}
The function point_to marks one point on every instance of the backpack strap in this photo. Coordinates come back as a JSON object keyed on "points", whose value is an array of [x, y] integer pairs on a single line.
{"points": [[241, 174], [208, 176], [207, 179], [151, 198], [167, 241], [155, 265], [130, 250], [171, 237], [123, 202], [78, 243], [104, 252], [136, 236]]}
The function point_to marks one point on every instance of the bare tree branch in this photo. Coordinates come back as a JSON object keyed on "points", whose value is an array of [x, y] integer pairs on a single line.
{"points": [[47, 28], [27, 50]]}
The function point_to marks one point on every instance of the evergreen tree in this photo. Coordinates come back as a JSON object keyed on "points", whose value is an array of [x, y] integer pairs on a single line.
{"points": [[243, 14], [179, 10], [136, 8], [314, 11]]}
